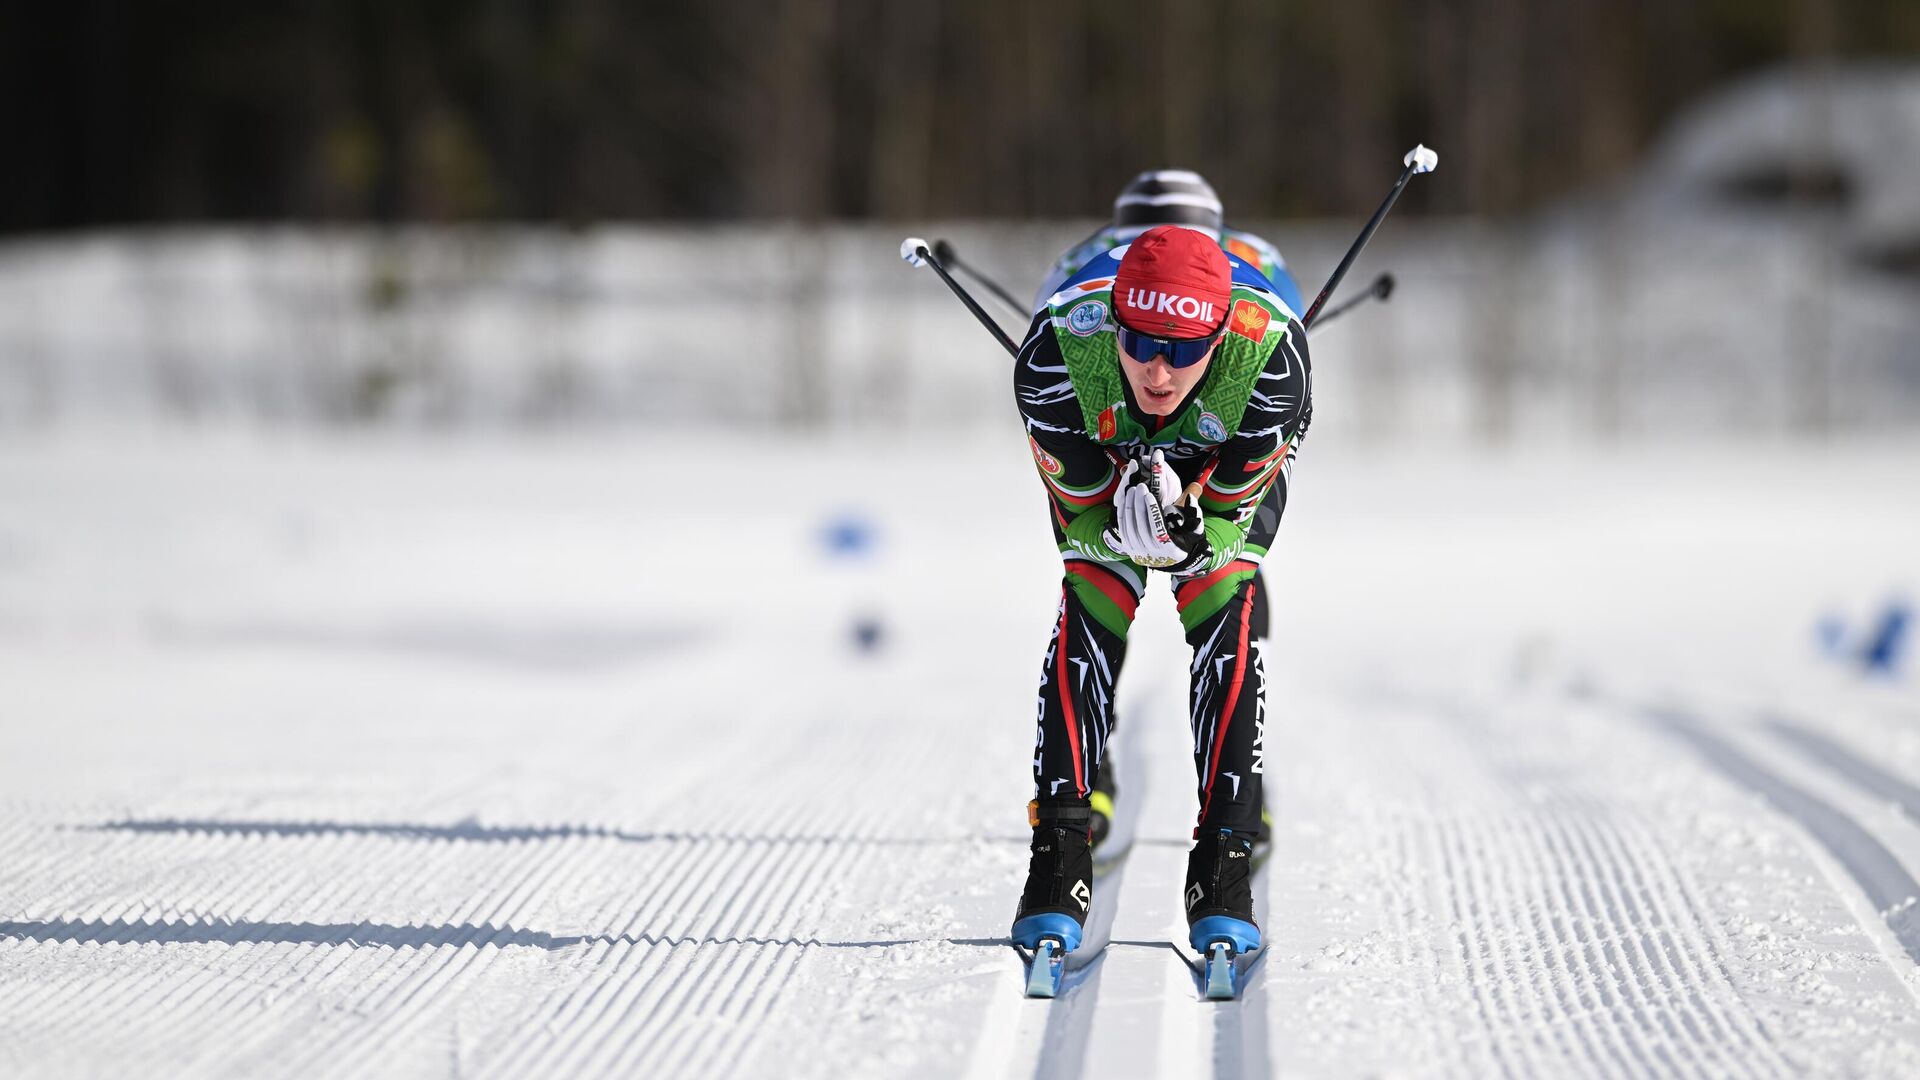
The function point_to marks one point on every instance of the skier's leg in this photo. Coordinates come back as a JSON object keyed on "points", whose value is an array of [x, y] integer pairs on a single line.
{"points": [[1227, 697], [1266, 524], [1075, 708], [1075, 717], [1260, 534], [1222, 613], [1225, 617], [1261, 627]]}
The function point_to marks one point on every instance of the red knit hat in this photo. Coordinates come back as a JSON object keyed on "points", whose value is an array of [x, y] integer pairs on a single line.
{"points": [[1173, 283]]}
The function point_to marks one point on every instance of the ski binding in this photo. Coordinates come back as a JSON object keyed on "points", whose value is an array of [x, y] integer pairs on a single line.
{"points": [[1046, 966], [1227, 948], [1223, 978]]}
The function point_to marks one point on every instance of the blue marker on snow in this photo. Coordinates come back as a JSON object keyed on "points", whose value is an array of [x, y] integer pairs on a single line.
{"points": [[1881, 654], [849, 535]]}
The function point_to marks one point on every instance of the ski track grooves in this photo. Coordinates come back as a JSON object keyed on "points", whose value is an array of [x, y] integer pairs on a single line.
{"points": [[409, 1005], [1417, 949], [1066, 1021], [1582, 943], [1240, 1038], [676, 987], [137, 1004], [1874, 869], [1069, 1017], [1053, 1035], [1836, 758], [639, 986]]}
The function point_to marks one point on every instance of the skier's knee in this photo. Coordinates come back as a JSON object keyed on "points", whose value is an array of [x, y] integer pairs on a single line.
{"points": [[1108, 592]]}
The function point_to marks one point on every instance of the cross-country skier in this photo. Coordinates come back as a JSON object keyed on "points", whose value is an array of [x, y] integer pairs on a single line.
{"points": [[1167, 197], [1165, 389], [1172, 197]]}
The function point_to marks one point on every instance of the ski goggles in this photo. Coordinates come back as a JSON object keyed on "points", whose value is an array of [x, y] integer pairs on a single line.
{"points": [[1180, 352]]}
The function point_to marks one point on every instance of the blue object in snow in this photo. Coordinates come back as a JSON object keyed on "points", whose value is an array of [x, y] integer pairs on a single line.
{"points": [[1830, 633], [1882, 652], [849, 536]]}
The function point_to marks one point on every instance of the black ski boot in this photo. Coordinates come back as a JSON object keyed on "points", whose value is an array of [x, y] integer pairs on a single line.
{"points": [[1059, 889], [1219, 896], [1102, 805]]}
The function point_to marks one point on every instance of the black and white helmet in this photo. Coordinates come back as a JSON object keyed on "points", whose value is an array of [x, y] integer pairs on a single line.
{"points": [[1167, 197]]}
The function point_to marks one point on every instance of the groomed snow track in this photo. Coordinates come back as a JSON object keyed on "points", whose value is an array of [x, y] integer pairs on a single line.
{"points": [[630, 834], [1458, 905]]}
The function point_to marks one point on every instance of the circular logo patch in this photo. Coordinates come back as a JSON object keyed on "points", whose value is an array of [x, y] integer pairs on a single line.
{"points": [[1047, 462], [1211, 429], [1087, 318]]}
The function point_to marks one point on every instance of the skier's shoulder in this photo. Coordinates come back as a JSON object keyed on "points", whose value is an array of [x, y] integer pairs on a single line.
{"points": [[1050, 411], [1252, 286], [1257, 251], [1252, 247], [1041, 384], [1261, 314], [1099, 241], [1072, 260], [1092, 280]]}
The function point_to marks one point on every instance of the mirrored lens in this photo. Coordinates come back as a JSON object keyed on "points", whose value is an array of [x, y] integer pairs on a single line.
{"points": [[1179, 353]]}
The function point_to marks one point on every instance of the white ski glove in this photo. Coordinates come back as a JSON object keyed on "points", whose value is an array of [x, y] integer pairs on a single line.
{"points": [[1141, 508], [1155, 473]]}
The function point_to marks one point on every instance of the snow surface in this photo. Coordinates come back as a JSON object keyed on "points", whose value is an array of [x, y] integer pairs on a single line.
{"points": [[411, 757]]}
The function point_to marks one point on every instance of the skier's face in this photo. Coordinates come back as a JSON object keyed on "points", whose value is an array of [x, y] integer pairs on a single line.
{"points": [[1158, 386]]}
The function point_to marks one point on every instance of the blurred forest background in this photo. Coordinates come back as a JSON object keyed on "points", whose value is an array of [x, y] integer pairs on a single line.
{"points": [[1652, 217], [584, 111]]}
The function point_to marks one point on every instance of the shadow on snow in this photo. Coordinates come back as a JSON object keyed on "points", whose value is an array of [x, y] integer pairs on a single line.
{"points": [[387, 935]]}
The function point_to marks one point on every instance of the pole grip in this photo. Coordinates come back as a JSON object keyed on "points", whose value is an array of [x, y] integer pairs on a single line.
{"points": [[1418, 160], [916, 253]]}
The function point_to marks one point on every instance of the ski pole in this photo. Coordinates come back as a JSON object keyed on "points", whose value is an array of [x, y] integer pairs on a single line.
{"points": [[1418, 160], [1381, 289], [914, 251], [949, 257]]}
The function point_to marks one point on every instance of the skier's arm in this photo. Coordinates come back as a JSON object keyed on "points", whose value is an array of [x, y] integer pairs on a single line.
{"points": [[1260, 455], [1080, 477]]}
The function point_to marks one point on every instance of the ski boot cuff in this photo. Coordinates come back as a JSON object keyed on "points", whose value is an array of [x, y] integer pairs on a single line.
{"points": [[1073, 815]]}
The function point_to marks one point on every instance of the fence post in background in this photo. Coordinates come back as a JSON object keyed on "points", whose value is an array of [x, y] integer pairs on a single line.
{"points": [[803, 406], [168, 308], [1610, 303], [1809, 329], [1493, 335], [556, 393], [34, 399]]}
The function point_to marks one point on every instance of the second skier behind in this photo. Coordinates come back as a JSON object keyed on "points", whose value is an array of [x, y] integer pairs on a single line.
{"points": [[1172, 197], [1169, 197], [1165, 388]]}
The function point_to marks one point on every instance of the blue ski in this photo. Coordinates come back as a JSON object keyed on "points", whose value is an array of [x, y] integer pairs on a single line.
{"points": [[1046, 966]]}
